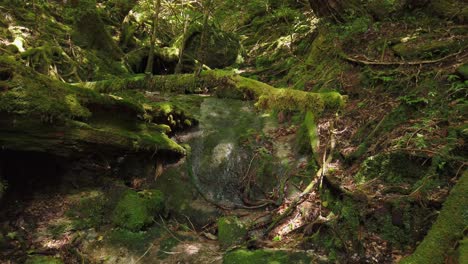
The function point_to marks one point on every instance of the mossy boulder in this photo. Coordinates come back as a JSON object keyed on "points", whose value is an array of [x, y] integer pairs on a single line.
{"points": [[43, 260], [231, 231], [266, 257], [222, 48], [136, 210]]}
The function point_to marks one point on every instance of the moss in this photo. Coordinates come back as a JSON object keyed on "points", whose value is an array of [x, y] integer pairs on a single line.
{"points": [[76, 138], [231, 231], [44, 115], [391, 168], [41, 58], [89, 212], [265, 256], [136, 210], [181, 198], [463, 71], [134, 241], [424, 47], [447, 229], [462, 251], [268, 97], [450, 9], [312, 133], [90, 31], [43, 260]]}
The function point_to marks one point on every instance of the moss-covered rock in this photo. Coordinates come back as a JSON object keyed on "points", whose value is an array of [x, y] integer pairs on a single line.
{"points": [[231, 231], [221, 52], [265, 257], [447, 229], [136, 210]]}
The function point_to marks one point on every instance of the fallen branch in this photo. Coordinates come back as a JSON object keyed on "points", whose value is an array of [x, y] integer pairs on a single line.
{"points": [[368, 62]]}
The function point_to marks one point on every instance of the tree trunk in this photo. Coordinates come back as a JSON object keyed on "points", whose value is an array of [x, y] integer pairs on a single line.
{"points": [[203, 38], [154, 28], [180, 65]]}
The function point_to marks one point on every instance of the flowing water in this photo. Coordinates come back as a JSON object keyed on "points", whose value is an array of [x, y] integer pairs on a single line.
{"points": [[219, 161]]}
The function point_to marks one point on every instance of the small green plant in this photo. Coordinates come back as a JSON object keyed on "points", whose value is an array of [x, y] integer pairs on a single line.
{"points": [[413, 100], [277, 238]]}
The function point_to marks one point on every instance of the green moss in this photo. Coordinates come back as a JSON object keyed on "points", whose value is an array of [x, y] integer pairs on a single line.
{"points": [[40, 114], [391, 168], [268, 97], [136, 210], [135, 241], [90, 31], [463, 71], [447, 229], [181, 198], [462, 251], [426, 48], [265, 256], [231, 231], [450, 9], [43, 260], [89, 212]]}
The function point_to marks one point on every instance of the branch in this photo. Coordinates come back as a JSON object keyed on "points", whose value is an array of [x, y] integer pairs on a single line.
{"points": [[367, 62]]}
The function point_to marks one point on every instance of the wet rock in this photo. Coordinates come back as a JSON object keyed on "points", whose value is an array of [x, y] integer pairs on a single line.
{"points": [[222, 152]]}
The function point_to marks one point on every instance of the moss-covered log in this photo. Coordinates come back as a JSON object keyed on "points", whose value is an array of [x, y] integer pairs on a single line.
{"points": [[229, 85], [43, 115], [447, 230]]}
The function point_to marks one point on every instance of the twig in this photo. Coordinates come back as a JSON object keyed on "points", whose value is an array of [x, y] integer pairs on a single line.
{"points": [[193, 227], [167, 229], [144, 254]]}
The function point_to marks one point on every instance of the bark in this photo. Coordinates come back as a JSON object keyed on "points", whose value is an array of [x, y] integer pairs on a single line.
{"points": [[149, 64], [179, 66], [203, 38]]}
